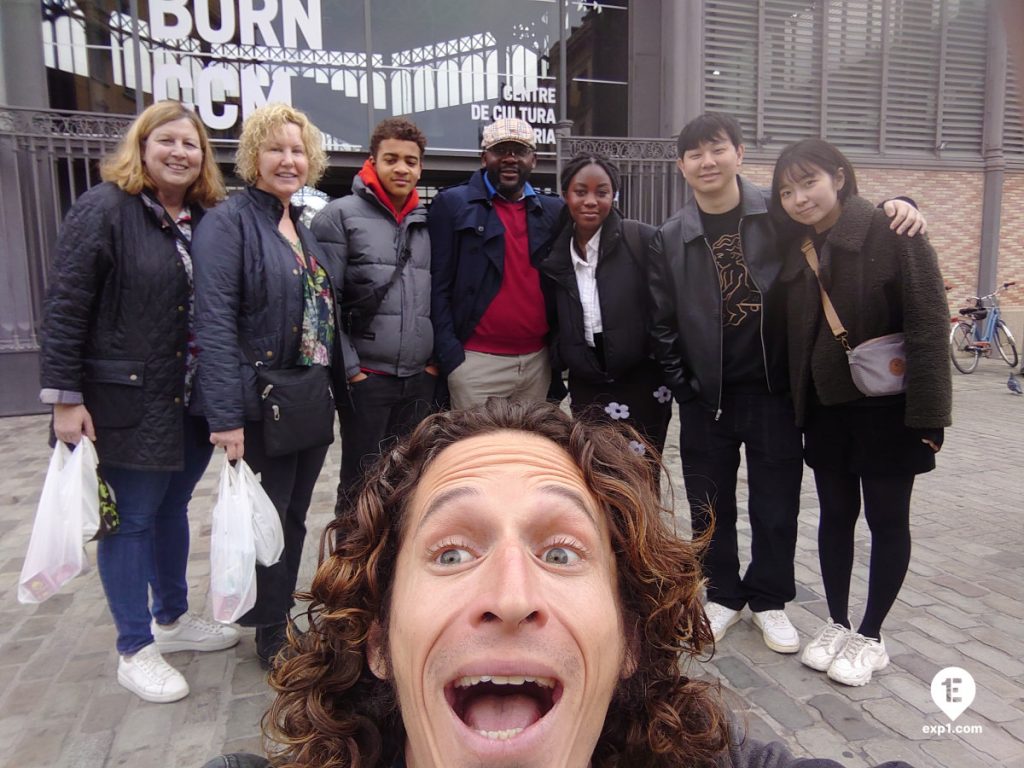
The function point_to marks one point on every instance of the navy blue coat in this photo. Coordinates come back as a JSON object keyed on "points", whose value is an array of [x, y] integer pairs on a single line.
{"points": [[249, 304], [467, 260]]}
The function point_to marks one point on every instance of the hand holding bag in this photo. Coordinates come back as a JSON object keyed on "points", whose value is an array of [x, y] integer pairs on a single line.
{"points": [[232, 550], [268, 535], [878, 366], [68, 515]]}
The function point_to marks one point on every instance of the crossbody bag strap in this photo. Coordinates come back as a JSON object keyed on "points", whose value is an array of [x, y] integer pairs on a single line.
{"points": [[403, 259], [379, 293], [826, 303]]}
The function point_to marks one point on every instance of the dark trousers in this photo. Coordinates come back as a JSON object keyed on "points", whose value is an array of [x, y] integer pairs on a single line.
{"points": [[639, 398], [764, 425], [383, 409], [288, 481]]}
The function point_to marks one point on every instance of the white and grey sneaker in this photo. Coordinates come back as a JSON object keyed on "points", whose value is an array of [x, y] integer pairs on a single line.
{"points": [[825, 646], [194, 633], [148, 676], [778, 631], [721, 618], [859, 657]]}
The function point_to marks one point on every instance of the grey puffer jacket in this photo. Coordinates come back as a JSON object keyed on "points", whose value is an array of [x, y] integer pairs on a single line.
{"points": [[364, 237]]}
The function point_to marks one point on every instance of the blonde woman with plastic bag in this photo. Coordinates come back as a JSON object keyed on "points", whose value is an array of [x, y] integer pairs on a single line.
{"points": [[246, 531]]}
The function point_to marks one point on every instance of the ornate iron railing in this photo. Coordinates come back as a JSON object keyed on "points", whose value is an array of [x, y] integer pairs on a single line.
{"points": [[48, 124], [652, 188]]}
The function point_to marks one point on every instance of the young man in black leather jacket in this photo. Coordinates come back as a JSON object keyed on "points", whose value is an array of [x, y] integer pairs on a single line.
{"points": [[719, 334]]}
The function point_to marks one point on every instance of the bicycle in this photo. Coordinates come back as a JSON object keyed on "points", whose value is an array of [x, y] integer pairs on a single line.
{"points": [[977, 330]]}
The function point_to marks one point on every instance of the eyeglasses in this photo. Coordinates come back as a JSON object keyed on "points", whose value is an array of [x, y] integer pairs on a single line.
{"points": [[516, 150]]}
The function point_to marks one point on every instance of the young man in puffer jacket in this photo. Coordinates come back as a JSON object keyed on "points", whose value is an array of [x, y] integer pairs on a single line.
{"points": [[379, 233]]}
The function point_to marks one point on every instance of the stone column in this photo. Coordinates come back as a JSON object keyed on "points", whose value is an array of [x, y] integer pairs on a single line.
{"points": [[992, 149], [22, 73], [22, 84]]}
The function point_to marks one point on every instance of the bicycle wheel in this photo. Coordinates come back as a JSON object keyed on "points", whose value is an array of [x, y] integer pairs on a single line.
{"points": [[1002, 340], [962, 351]]}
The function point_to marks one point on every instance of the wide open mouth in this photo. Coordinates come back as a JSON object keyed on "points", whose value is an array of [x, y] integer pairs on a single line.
{"points": [[501, 707]]}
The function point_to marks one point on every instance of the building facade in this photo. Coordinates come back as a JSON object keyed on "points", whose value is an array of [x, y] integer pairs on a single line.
{"points": [[917, 92]]}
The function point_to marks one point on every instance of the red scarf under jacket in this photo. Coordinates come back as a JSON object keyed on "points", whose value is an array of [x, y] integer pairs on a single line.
{"points": [[369, 176]]}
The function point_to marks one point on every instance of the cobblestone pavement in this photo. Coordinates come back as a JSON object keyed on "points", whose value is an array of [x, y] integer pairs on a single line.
{"points": [[60, 704]]}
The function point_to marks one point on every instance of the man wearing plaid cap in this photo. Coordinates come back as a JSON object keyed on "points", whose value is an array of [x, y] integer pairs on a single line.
{"points": [[490, 306]]}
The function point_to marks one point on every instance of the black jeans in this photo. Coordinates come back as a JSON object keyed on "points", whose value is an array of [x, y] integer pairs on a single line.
{"points": [[288, 481], [764, 425], [383, 409]]}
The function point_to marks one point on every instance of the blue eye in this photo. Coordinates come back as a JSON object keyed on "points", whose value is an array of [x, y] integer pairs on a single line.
{"points": [[559, 555], [453, 556]]}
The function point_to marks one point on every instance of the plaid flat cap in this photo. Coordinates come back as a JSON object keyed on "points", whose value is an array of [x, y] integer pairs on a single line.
{"points": [[508, 129]]}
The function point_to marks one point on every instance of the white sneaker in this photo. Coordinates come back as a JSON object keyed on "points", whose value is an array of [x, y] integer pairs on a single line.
{"points": [[721, 618], [148, 676], [825, 646], [859, 657], [194, 633], [779, 633]]}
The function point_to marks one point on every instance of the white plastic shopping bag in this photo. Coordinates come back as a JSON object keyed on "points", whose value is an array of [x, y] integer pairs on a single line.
{"points": [[80, 487], [266, 523], [232, 550], [67, 516]]}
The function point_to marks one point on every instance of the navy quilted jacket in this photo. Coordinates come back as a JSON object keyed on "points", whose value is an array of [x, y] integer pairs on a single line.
{"points": [[249, 304]]}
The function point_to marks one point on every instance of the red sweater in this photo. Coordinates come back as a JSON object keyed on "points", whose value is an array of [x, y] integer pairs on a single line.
{"points": [[515, 322]]}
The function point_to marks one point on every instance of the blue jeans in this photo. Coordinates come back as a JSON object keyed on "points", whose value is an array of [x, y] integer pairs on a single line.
{"points": [[763, 425], [150, 550]]}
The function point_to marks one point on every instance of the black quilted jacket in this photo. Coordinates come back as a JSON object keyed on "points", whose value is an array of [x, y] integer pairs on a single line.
{"points": [[116, 327]]}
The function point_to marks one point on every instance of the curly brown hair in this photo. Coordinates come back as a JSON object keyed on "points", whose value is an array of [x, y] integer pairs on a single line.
{"points": [[397, 128], [332, 712]]}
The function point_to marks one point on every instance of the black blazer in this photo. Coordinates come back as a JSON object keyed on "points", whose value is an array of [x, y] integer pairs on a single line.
{"points": [[623, 295]]}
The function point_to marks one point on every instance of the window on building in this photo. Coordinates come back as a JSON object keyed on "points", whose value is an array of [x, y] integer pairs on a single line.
{"points": [[897, 77]]}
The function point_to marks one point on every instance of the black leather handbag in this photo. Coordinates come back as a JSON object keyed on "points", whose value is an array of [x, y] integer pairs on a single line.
{"points": [[297, 406]]}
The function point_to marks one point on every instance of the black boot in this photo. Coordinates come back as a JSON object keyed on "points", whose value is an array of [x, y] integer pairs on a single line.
{"points": [[270, 640]]}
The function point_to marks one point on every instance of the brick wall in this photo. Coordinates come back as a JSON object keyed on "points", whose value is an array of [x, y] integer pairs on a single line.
{"points": [[952, 202]]}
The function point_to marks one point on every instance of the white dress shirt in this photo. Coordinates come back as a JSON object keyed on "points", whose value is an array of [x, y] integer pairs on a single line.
{"points": [[586, 280]]}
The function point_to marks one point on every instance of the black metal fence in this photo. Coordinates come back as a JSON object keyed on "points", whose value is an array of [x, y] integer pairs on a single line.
{"points": [[47, 159], [652, 187]]}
